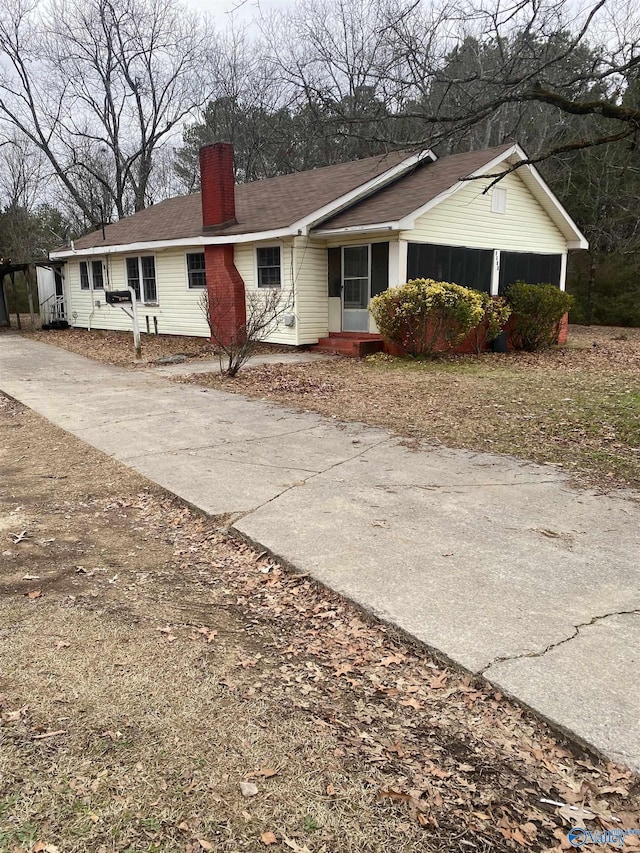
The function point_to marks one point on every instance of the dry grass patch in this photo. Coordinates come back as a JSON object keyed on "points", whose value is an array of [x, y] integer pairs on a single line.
{"points": [[117, 347], [150, 665], [578, 407], [110, 347]]}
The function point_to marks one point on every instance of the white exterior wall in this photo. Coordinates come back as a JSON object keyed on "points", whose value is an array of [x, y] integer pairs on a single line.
{"points": [[177, 311], [466, 219], [312, 301], [245, 261]]}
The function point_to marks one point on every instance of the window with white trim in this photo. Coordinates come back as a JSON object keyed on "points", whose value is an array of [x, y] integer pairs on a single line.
{"points": [[269, 266], [499, 200], [196, 273], [84, 276], [93, 269], [141, 276]]}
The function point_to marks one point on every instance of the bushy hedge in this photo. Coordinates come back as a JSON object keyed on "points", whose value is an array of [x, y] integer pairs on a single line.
{"points": [[496, 312], [424, 316], [537, 311]]}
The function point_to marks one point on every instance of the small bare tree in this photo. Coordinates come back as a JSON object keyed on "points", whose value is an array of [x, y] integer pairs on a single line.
{"points": [[265, 309]]}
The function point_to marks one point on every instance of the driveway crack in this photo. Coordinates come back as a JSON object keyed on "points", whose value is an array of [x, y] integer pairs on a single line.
{"points": [[551, 646], [305, 480]]}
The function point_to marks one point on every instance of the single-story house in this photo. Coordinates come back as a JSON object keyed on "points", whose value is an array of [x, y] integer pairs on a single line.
{"points": [[328, 239]]}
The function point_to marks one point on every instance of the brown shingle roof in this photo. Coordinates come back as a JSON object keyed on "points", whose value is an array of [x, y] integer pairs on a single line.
{"points": [[279, 202], [260, 206], [413, 190]]}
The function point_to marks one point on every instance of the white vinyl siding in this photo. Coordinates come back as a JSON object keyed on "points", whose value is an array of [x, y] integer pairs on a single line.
{"points": [[177, 312], [246, 264], [466, 219], [312, 303]]}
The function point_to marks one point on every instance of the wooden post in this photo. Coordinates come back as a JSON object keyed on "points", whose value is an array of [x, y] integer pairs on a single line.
{"points": [[136, 327]]}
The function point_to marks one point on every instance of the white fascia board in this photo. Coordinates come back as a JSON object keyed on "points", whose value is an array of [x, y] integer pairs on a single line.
{"points": [[334, 207], [356, 229], [575, 238], [408, 222], [182, 243]]}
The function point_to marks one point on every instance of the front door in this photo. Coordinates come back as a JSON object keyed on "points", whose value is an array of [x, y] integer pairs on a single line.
{"points": [[356, 288]]}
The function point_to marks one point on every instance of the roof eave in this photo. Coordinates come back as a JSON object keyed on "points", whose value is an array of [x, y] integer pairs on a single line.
{"points": [[378, 227], [179, 243], [333, 208]]}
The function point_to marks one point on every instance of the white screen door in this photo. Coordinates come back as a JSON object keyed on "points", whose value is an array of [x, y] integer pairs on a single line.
{"points": [[356, 288]]}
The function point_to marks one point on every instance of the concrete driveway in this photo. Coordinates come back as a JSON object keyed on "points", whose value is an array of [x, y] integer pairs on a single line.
{"points": [[497, 564]]}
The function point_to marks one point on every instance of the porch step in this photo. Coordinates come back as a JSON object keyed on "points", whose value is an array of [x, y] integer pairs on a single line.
{"points": [[352, 344]]}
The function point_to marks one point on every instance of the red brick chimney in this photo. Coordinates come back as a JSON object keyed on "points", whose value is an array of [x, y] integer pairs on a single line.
{"points": [[227, 307], [217, 184]]}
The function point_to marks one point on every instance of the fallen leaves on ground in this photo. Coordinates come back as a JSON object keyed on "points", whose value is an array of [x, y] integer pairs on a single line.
{"points": [[576, 406], [389, 742]]}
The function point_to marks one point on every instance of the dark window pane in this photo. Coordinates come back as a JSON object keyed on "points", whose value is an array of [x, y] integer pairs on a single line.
{"points": [[96, 271], [460, 265], [268, 276], [148, 265], [356, 292], [334, 265], [379, 268], [84, 275], [530, 267], [356, 262], [269, 256], [133, 276]]}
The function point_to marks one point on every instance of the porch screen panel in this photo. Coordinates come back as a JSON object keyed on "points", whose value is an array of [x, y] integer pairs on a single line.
{"points": [[379, 268], [529, 267], [334, 264], [458, 264]]}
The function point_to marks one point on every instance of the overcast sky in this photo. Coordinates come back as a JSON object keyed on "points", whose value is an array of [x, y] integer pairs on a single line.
{"points": [[244, 12]]}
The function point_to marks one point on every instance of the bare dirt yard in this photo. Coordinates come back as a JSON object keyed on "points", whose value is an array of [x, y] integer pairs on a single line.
{"points": [[164, 687], [577, 406]]}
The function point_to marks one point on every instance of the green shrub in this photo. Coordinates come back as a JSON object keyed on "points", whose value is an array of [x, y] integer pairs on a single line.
{"points": [[425, 316], [537, 310], [496, 312]]}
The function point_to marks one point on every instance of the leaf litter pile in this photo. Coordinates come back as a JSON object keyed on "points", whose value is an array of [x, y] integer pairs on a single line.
{"points": [[165, 687], [577, 406], [112, 347]]}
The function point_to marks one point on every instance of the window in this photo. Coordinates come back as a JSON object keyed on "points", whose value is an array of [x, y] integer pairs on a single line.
{"points": [[97, 276], [96, 272], [142, 271], [133, 276], [149, 290], [469, 267], [499, 200], [196, 274], [84, 275], [269, 266]]}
